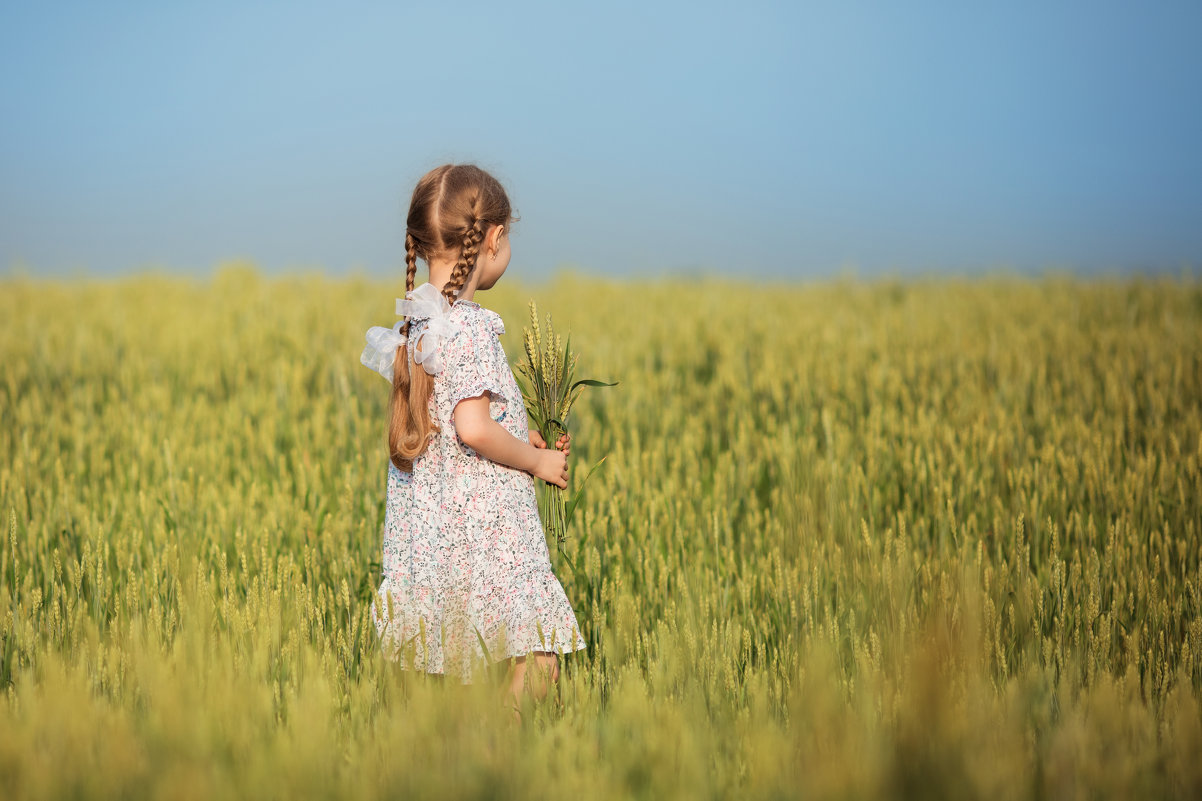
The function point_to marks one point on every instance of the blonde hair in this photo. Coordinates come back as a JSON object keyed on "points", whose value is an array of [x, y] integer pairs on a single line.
{"points": [[452, 208]]}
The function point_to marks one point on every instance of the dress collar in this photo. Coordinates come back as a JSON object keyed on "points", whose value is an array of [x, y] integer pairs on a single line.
{"points": [[498, 324]]}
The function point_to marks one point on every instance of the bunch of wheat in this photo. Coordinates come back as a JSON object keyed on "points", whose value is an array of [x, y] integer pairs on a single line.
{"points": [[545, 378]]}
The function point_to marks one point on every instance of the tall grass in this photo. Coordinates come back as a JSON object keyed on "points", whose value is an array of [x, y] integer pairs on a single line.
{"points": [[925, 539]]}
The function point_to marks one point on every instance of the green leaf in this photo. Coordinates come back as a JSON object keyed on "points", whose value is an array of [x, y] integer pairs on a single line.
{"points": [[592, 382], [537, 418], [483, 647], [527, 397], [571, 507]]}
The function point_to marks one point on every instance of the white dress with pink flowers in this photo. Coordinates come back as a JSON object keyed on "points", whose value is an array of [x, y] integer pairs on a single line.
{"points": [[466, 570]]}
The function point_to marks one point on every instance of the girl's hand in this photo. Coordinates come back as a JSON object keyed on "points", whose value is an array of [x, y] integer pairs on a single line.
{"points": [[564, 443], [552, 467]]}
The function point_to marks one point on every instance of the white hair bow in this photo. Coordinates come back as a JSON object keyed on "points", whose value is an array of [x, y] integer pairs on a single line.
{"points": [[427, 303], [381, 348], [422, 303]]}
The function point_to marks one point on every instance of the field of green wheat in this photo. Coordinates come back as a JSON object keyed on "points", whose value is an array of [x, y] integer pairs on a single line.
{"points": [[924, 538]]}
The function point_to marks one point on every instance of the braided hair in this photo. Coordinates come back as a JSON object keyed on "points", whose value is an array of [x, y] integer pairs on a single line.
{"points": [[467, 261], [451, 209]]}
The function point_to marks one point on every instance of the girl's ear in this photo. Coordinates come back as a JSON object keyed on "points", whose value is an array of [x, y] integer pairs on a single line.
{"points": [[493, 238]]}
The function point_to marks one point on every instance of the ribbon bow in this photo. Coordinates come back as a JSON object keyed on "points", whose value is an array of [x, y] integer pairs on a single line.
{"points": [[381, 348], [423, 303], [427, 303]]}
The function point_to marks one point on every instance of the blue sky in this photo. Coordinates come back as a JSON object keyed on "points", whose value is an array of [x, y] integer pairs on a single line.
{"points": [[753, 139]]}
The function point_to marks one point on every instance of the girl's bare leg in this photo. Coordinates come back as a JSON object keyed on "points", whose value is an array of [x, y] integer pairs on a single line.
{"points": [[538, 680]]}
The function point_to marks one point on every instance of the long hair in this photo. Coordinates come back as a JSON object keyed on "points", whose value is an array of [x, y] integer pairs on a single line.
{"points": [[453, 206]]}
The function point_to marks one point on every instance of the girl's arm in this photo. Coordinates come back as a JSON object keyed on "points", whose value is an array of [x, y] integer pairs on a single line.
{"points": [[490, 439]]}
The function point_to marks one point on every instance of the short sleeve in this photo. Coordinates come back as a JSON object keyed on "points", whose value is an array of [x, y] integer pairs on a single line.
{"points": [[474, 362]]}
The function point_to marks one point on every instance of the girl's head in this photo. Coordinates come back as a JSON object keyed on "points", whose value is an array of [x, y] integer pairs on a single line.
{"points": [[455, 208], [457, 212]]}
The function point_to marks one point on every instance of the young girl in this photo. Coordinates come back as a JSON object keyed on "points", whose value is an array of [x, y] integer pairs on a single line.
{"points": [[466, 571]]}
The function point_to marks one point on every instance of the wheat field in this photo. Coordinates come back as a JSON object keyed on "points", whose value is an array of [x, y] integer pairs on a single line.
{"points": [[923, 538]]}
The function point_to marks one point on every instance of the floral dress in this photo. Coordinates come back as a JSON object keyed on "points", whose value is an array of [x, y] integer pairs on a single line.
{"points": [[466, 570]]}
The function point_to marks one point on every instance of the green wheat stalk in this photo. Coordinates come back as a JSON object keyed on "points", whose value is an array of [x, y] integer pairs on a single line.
{"points": [[545, 376]]}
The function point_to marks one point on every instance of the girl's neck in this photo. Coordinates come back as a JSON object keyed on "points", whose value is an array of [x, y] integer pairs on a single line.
{"points": [[440, 273]]}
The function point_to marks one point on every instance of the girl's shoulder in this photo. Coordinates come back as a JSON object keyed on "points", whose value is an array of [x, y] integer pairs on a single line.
{"points": [[474, 316]]}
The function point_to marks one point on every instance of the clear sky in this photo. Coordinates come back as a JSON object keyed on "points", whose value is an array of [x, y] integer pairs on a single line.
{"points": [[755, 139]]}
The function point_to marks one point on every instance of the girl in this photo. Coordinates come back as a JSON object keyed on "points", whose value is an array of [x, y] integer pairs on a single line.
{"points": [[466, 571]]}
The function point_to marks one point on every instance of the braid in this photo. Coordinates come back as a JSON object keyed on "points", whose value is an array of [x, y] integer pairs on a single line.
{"points": [[467, 260], [411, 269], [410, 426]]}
